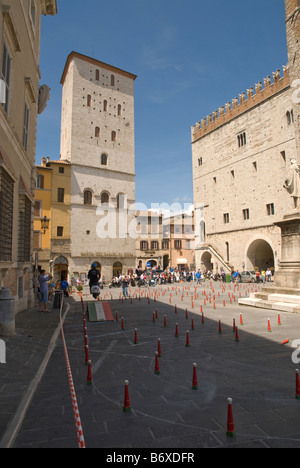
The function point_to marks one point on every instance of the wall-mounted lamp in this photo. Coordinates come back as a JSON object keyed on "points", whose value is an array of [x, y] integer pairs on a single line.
{"points": [[45, 224]]}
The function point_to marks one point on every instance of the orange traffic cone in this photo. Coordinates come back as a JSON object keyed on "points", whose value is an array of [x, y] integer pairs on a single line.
{"points": [[126, 406], [157, 369], [279, 321], [230, 422], [187, 344], [195, 380], [269, 326], [89, 376], [135, 337], [159, 348]]}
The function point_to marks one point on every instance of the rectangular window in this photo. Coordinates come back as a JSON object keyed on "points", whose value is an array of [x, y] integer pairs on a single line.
{"points": [[36, 240], [60, 195], [242, 140], [60, 231], [20, 287], [246, 214], [154, 245], [270, 209], [226, 218], [144, 245], [61, 170], [24, 238], [165, 245], [5, 74], [6, 215], [177, 244], [25, 127], [39, 182], [37, 208]]}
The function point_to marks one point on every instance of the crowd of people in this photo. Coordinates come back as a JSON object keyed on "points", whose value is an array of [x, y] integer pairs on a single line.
{"points": [[146, 278]]}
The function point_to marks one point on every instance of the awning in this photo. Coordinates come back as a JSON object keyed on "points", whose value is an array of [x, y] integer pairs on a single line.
{"points": [[181, 261]]}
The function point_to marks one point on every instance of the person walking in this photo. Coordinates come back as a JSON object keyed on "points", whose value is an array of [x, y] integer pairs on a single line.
{"points": [[93, 276], [44, 288]]}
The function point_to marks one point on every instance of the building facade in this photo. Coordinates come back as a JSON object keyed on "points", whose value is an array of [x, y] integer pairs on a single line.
{"points": [[165, 241], [52, 218], [20, 28], [97, 138], [241, 158]]}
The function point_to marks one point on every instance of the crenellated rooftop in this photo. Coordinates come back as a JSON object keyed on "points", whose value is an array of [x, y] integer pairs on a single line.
{"points": [[243, 103]]}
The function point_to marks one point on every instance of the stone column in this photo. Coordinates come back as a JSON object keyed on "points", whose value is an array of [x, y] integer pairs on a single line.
{"points": [[288, 275], [7, 313]]}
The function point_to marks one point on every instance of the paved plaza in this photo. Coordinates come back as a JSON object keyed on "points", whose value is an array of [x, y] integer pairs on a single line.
{"points": [[257, 372]]}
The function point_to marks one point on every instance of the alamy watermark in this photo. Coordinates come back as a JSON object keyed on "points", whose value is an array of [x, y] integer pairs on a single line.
{"points": [[296, 354], [138, 221], [2, 352]]}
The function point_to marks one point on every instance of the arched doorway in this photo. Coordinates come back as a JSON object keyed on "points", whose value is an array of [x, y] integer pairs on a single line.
{"points": [[61, 267], [153, 264], [117, 269], [206, 263], [260, 254]]}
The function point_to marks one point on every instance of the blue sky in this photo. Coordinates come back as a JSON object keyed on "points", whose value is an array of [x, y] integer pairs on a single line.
{"points": [[190, 57]]}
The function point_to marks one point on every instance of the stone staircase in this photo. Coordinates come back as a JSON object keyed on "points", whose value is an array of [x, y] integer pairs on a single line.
{"points": [[274, 298]]}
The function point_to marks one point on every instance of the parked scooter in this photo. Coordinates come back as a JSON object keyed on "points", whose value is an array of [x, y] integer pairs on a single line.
{"points": [[95, 291]]}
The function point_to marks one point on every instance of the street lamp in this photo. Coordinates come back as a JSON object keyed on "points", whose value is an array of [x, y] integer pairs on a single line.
{"points": [[45, 224]]}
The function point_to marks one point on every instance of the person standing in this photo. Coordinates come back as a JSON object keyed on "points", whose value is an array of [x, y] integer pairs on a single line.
{"points": [[198, 277], [125, 282], [44, 288]]}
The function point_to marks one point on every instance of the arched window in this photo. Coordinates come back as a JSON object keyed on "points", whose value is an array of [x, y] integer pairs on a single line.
{"points": [[89, 100], [104, 198], [112, 80], [87, 197], [97, 132], [105, 106], [119, 110], [117, 269], [103, 160], [97, 75], [121, 199], [113, 136]]}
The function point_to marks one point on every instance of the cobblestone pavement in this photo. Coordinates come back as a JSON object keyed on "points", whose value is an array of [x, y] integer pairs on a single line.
{"points": [[257, 372]]}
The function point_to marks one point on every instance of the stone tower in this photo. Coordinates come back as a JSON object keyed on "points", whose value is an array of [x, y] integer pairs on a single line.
{"points": [[292, 10], [97, 138]]}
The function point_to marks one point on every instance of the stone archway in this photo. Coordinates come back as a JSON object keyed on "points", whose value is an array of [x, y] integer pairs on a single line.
{"points": [[61, 269], [117, 269], [206, 262], [259, 254]]}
